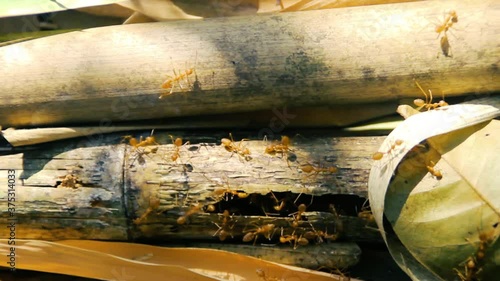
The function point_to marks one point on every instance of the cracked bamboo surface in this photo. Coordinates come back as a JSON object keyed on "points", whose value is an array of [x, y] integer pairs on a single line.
{"points": [[80, 190], [115, 184]]}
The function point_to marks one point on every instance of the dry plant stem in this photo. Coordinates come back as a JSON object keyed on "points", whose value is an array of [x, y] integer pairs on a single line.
{"points": [[248, 64]]}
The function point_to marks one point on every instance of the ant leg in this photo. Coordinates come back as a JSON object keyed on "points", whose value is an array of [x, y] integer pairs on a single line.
{"points": [[218, 230], [295, 201], [310, 203], [423, 92]]}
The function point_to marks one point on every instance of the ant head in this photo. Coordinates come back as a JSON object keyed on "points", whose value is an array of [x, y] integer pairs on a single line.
{"points": [[307, 168], [332, 169], [442, 103], [181, 220], [302, 208], [419, 102], [270, 149], [225, 142], [133, 141], [285, 140]]}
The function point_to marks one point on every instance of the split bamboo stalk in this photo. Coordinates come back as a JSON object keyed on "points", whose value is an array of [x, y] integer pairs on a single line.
{"points": [[77, 190]]}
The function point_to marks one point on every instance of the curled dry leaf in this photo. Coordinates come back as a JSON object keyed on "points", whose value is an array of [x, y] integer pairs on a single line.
{"points": [[435, 197], [128, 261]]}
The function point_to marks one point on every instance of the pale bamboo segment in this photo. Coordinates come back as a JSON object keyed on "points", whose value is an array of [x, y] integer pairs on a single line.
{"points": [[241, 64], [97, 188]]}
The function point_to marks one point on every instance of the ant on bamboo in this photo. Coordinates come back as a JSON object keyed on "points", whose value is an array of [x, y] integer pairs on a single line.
{"points": [[297, 240], [266, 230], [320, 235], [282, 147], [378, 155], [279, 204], [297, 216], [142, 146], [428, 100], [193, 210], [225, 229], [448, 22], [230, 146], [70, 181], [148, 141], [226, 190], [178, 144], [365, 213], [170, 83], [154, 204], [315, 170]]}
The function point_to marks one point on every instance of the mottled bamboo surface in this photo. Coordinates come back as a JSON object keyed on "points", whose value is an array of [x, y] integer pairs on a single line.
{"points": [[336, 58], [115, 178], [102, 188]]}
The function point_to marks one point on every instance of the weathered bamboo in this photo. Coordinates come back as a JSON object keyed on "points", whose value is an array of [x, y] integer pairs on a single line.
{"points": [[102, 191], [304, 59], [326, 255]]}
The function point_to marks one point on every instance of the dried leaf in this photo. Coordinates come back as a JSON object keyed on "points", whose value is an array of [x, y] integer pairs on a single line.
{"points": [[437, 222], [127, 261], [306, 5], [159, 10]]}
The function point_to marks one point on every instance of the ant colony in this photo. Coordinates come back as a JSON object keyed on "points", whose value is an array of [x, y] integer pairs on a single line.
{"points": [[272, 218], [226, 211]]}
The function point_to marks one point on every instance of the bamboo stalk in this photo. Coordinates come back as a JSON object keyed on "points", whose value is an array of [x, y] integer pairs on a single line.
{"points": [[68, 183], [314, 58]]}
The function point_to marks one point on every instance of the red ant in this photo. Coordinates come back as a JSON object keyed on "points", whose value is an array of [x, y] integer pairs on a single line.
{"points": [[264, 230], [230, 146], [297, 240]]}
